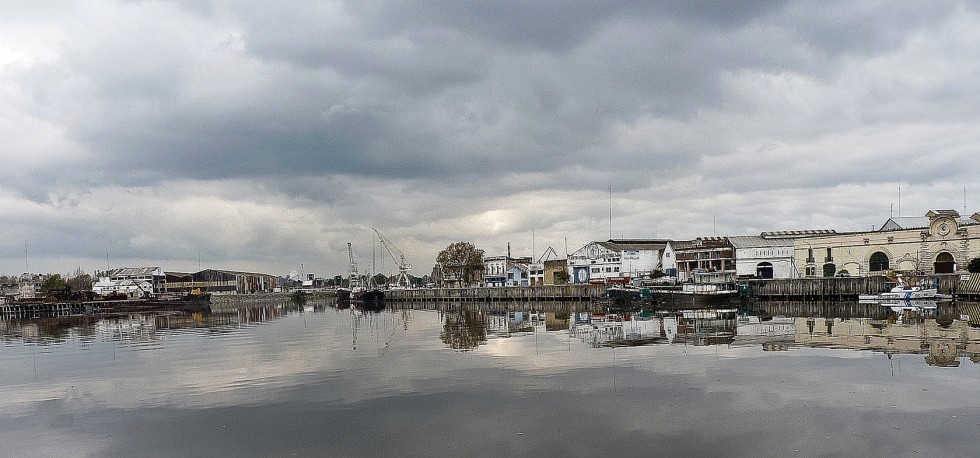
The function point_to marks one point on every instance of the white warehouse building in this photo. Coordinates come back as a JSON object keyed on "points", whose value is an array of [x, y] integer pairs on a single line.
{"points": [[615, 261], [761, 257]]}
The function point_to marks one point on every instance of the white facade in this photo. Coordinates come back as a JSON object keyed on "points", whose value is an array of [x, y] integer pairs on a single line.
{"points": [[499, 270], [152, 275], [615, 261], [131, 288], [669, 261], [761, 257]]}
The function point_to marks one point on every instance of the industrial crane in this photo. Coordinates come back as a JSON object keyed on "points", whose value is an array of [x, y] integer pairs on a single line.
{"points": [[398, 257], [355, 278]]}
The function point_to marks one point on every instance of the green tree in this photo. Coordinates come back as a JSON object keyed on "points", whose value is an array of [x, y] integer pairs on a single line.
{"points": [[461, 261], [54, 283], [974, 266], [380, 279], [562, 277]]}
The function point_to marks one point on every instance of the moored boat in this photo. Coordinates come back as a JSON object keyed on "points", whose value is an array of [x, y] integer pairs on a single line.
{"points": [[902, 291]]}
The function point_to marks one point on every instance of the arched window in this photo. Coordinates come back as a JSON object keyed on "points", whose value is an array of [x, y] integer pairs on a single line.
{"points": [[764, 270], [829, 269], [878, 262], [945, 264]]}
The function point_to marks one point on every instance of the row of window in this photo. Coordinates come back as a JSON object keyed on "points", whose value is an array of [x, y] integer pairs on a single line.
{"points": [[596, 270], [945, 264]]}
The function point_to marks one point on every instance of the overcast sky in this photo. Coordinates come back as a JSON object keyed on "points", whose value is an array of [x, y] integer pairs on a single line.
{"points": [[263, 136]]}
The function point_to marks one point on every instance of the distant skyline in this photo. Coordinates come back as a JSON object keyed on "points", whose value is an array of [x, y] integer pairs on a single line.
{"points": [[264, 136]]}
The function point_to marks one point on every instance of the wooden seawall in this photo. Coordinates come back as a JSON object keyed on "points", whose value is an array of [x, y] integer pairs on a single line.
{"points": [[831, 288]]}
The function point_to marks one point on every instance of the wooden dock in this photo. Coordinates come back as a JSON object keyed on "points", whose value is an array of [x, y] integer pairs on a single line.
{"points": [[813, 289], [18, 310]]}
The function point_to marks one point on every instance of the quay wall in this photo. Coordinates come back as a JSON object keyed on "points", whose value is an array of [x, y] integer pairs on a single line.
{"points": [[838, 288]]}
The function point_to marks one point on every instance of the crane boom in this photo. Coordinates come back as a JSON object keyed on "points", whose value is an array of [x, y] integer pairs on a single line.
{"points": [[398, 257], [355, 278]]}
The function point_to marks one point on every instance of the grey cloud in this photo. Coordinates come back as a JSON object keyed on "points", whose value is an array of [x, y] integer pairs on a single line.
{"points": [[474, 105]]}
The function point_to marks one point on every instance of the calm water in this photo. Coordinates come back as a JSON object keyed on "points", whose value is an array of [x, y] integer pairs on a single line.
{"points": [[316, 381]]}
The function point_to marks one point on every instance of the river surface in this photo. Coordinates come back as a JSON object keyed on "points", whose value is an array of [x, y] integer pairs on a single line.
{"points": [[431, 380]]}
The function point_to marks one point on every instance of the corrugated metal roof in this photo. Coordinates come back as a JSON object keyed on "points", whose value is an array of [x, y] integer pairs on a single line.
{"points": [[130, 271], [755, 241], [682, 244], [639, 245], [798, 234], [905, 222]]}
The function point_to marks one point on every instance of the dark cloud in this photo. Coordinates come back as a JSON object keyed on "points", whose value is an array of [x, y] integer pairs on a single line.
{"points": [[472, 105]]}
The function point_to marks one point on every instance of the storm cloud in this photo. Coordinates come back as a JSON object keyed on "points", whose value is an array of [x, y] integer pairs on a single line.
{"points": [[265, 136]]}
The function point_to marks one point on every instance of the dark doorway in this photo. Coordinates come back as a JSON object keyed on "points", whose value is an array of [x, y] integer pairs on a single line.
{"points": [[878, 262], [944, 264], [829, 269], [764, 270]]}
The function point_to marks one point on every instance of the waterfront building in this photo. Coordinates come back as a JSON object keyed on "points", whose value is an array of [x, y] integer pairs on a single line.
{"points": [[518, 275], [616, 260], [133, 289], [703, 254], [499, 270], [543, 271], [29, 285], [221, 282], [760, 257], [941, 242], [770, 254], [152, 275]]}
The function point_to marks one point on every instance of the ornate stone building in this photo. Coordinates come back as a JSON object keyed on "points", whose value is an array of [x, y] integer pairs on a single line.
{"points": [[941, 242]]}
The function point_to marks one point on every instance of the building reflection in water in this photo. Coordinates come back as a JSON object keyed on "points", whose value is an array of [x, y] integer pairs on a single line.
{"points": [[140, 327], [944, 334]]}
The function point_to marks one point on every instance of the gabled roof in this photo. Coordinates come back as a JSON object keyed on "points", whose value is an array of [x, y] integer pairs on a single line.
{"points": [[905, 222], [937, 213]]}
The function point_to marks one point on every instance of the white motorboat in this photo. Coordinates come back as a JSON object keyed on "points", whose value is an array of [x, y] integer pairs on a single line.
{"points": [[903, 291]]}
